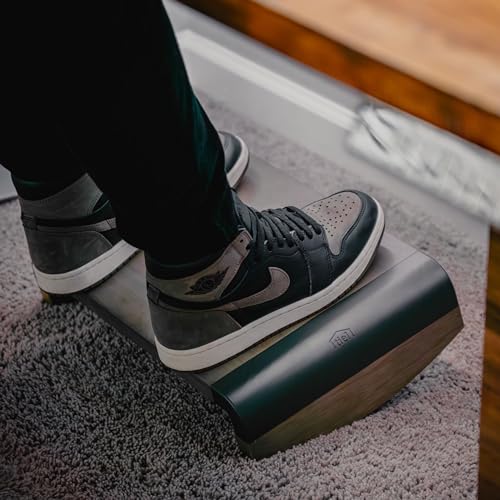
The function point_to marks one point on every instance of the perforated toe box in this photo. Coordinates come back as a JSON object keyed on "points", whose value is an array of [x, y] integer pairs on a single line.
{"points": [[348, 219], [337, 214]]}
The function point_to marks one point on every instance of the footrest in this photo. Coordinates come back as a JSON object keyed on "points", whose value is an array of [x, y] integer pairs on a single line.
{"points": [[324, 372]]}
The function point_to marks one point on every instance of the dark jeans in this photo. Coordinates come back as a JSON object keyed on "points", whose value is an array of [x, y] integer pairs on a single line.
{"points": [[100, 87]]}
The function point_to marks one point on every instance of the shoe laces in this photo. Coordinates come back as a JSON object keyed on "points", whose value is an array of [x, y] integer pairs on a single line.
{"points": [[279, 226]]}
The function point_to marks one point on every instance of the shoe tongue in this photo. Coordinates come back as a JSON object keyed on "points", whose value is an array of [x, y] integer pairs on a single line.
{"points": [[248, 219], [242, 211]]}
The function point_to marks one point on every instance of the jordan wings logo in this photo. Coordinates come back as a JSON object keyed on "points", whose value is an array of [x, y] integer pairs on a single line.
{"points": [[208, 283], [278, 285]]}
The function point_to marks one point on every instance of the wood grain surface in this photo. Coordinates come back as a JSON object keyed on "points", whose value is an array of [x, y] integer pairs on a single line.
{"points": [[454, 46], [436, 59], [489, 463]]}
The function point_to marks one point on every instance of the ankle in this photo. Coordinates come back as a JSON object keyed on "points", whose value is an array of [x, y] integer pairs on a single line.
{"points": [[190, 250], [77, 199], [173, 266], [39, 189]]}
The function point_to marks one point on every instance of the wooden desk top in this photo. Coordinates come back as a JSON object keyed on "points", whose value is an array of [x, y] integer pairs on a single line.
{"points": [[453, 46], [436, 59]]}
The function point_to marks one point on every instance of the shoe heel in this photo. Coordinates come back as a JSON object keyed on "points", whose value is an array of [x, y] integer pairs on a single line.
{"points": [[179, 334]]}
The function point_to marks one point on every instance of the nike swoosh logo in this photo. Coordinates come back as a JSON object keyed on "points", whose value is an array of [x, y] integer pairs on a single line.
{"points": [[280, 281]]}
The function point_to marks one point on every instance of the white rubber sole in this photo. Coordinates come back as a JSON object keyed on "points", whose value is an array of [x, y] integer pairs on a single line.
{"points": [[88, 275], [235, 175], [230, 345]]}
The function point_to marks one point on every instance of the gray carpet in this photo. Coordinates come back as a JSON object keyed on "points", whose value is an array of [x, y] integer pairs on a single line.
{"points": [[86, 414]]}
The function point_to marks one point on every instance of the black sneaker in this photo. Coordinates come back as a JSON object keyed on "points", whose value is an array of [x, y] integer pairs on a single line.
{"points": [[236, 156], [72, 235], [284, 265]]}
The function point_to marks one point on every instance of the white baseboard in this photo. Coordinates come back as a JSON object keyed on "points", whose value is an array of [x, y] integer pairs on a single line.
{"points": [[323, 125]]}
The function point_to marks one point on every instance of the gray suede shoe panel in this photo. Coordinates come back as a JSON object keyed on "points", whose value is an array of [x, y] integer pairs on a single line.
{"points": [[76, 200], [337, 214], [55, 253], [176, 329]]}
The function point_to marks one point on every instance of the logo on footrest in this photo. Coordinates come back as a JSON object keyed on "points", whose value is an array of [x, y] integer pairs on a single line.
{"points": [[341, 337]]}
